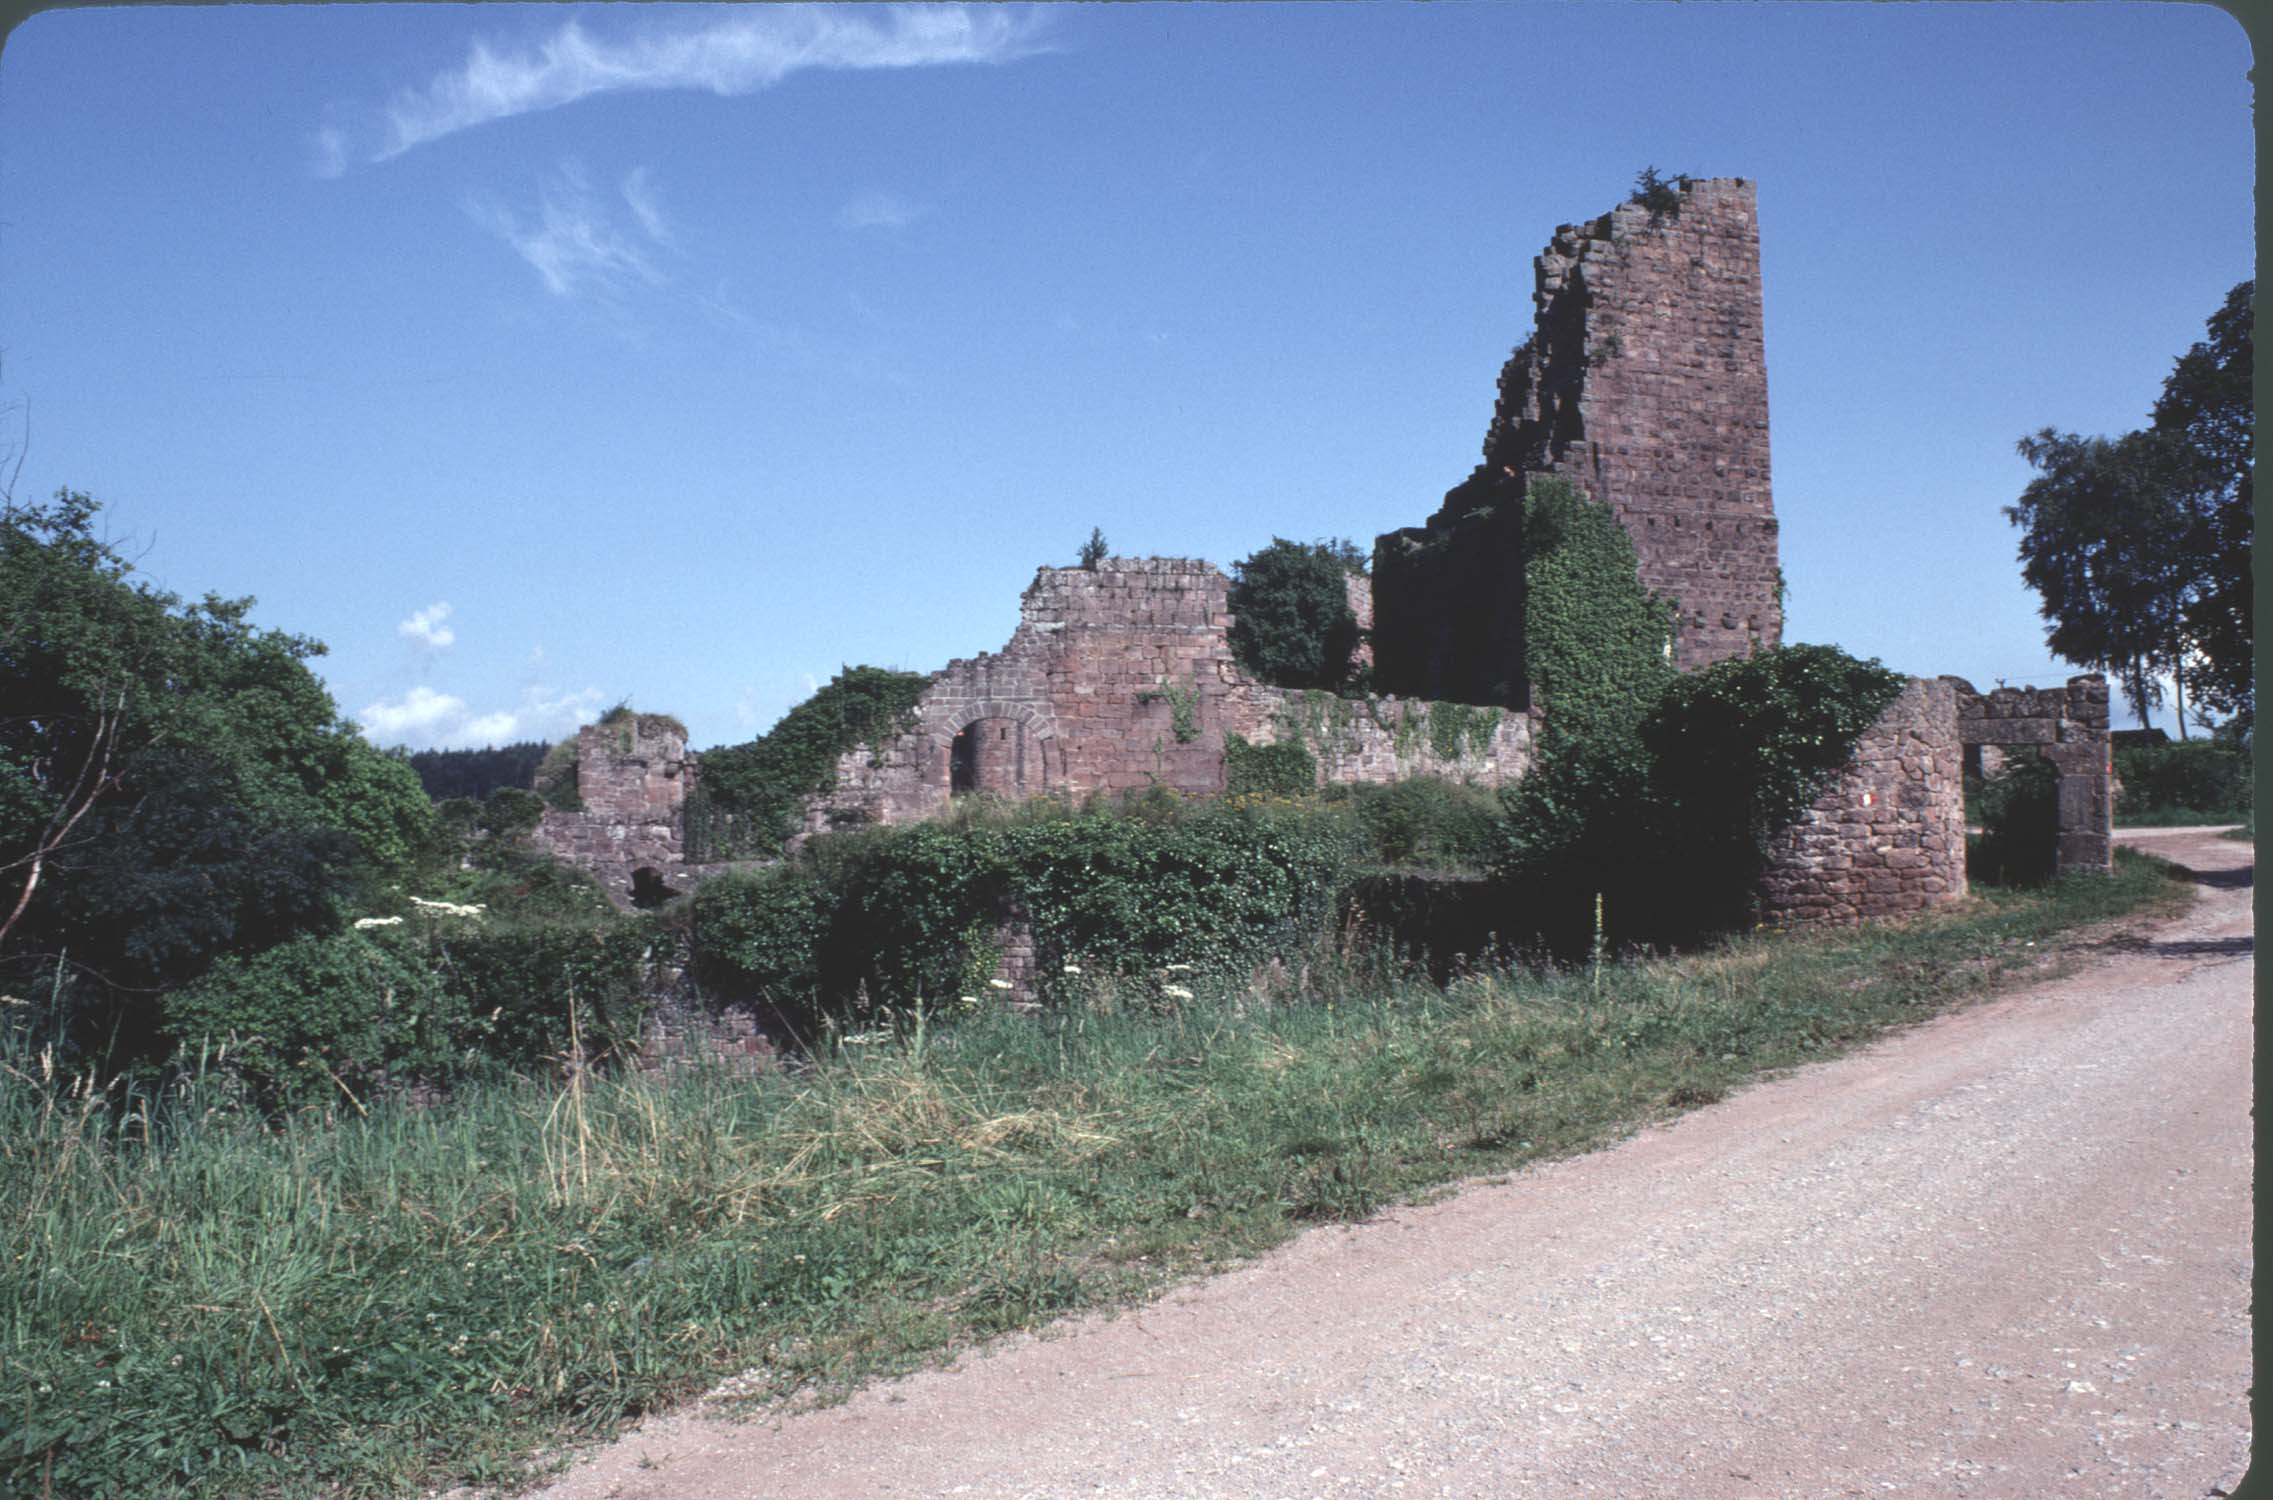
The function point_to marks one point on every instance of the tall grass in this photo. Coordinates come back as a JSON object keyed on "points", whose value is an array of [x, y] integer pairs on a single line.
{"points": [[200, 1300]]}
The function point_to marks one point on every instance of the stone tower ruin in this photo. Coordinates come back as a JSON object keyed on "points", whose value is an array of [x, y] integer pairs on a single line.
{"points": [[1644, 382]]}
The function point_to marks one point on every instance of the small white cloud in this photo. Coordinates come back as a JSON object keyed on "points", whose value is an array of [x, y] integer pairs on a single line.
{"points": [[427, 720], [329, 146], [738, 52], [572, 244], [420, 715], [426, 627], [879, 211], [640, 194]]}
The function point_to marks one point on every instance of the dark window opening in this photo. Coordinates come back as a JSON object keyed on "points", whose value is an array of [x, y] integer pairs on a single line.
{"points": [[962, 765], [648, 889]]}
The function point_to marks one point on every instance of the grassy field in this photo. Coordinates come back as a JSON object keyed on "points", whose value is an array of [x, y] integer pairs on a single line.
{"points": [[199, 1301]]}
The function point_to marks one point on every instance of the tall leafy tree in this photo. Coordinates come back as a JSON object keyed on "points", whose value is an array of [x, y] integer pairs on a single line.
{"points": [[2139, 546], [2207, 404], [175, 783]]}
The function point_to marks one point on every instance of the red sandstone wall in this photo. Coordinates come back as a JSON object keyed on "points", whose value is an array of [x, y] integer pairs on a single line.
{"points": [[1085, 698], [632, 779], [2068, 727], [1888, 837], [1646, 383]]}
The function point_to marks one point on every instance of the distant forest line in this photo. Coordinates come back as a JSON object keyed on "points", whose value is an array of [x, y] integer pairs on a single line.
{"points": [[477, 773]]}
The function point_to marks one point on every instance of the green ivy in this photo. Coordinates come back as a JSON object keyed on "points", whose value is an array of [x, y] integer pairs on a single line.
{"points": [[1597, 644], [749, 798], [556, 777], [1284, 769], [1183, 700]]}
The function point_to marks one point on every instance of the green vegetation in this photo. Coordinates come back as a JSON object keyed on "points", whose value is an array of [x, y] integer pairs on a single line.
{"points": [[1283, 769], [475, 774], [2140, 545], [1597, 645], [896, 915], [1094, 550], [2018, 811], [202, 1301], [751, 795], [2200, 781], [1660, 195], [1291, 623], [1668, 822], [175, 786], [555, 779]]}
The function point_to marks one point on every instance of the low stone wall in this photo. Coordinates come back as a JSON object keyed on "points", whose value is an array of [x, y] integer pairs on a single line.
{"points": [[1378, 741], [1887, 838]]}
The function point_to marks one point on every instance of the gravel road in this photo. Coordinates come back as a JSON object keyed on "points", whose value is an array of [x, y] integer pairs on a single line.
{"points": [[2005, 1253]]}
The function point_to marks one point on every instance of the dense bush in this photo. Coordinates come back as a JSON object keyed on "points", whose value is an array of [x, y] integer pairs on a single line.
{"points": [[1291, 623], [530, 992], [556, 777], [750, 796], [1670, 823], [2190, 781], [2019, 811], [1429, 823], [890, 916], [1283, 769], [319, 1018], [511, 812], [175, 786]]}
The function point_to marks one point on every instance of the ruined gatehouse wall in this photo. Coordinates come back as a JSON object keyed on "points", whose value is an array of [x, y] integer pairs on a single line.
{"points": [[631, 777], [2068, 727]]}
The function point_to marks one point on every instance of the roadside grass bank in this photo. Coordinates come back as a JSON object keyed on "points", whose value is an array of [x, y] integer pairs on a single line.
{"points": [[369, 1303]]}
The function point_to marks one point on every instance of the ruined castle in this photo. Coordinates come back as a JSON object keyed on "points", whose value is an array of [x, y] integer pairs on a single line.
{"points": [[1644, 382]]}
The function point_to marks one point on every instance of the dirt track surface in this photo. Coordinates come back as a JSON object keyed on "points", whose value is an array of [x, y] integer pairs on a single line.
{"points": [[2005, 1253]]}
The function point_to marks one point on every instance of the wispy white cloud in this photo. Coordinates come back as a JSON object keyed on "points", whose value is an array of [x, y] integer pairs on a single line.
{"points": [[879, 210], [574, 242], [428, 720], [639, 193], [426, 627], [739, 52]]}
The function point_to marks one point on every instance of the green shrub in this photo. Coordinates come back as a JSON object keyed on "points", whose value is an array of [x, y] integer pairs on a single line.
{"points": [[2198, 779], [316, 1017], [1284, 769], [750, 797], [1094, 550], [1430, 823], [2019, 810], [556, 777], [510, 813], [526, 988], [1291, 623], [758, 937], [1669, 823]]}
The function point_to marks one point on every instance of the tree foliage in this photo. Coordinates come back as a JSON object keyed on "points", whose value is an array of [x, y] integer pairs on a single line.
{"points": [[1291, 623], [175, 783], [2139, 546]]}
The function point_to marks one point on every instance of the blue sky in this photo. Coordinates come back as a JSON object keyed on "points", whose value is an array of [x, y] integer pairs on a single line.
{"points": [[538, 357]]}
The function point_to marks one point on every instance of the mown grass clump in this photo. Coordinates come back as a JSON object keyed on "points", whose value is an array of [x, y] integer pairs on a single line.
{"points": [[202, 1300]]}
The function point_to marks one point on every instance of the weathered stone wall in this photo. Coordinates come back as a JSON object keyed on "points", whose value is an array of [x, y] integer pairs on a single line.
{"points": [[1887, 838], [1644, 381], [632, 779], [2068, 727], [1122, 678]]}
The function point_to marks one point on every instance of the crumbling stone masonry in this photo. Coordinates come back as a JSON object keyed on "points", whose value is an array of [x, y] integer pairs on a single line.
{"points": [[1887, 838], [1122, 678], [632, 778], [2068, 727], [1644, 381]]}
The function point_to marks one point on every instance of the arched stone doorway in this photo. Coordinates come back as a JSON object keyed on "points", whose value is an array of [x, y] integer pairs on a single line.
{"points": [[989, 755]]}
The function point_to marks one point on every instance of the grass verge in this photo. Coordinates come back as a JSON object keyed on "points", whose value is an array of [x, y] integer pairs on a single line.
{"points": [[200, 1302]]}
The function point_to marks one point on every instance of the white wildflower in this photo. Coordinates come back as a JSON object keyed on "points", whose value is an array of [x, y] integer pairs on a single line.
{"points": [[447, 908], [1177, 969], [1175, 992], [363, 922], [1001, 984], [970, 999], [1073, 968]]}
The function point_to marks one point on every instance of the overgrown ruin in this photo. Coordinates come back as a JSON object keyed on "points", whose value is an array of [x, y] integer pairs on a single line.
{"points": [[1643, 382]]}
